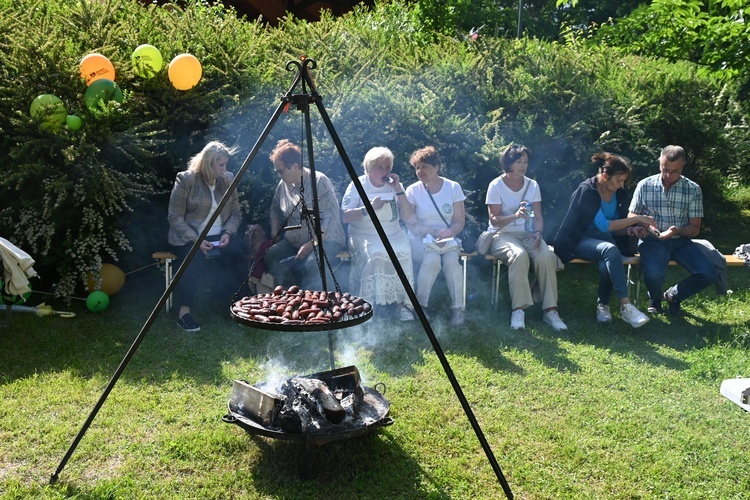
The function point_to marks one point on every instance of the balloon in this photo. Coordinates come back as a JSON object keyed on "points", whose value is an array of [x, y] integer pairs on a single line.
{"points": [[97, 301], [103, 90], [95, 67], [185, 71], [49, 110], [112, 279], [11, 300], [147, 61], [74, 122]]}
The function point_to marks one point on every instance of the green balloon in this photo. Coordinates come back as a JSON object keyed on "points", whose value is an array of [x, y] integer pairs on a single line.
{"points": [[147, 61], [12, 300], [101, 90], [50, 111], [74, 122], [97, 301]]}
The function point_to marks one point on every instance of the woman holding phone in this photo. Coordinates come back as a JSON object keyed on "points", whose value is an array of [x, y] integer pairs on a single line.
{"points": [[195, 197]]}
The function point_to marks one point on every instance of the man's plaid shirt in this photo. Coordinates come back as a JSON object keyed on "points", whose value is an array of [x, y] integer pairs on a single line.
{"points": [[675, 207]]}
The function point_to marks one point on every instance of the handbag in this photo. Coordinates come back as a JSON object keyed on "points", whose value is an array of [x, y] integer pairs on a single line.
{"points": [[484, 242]]}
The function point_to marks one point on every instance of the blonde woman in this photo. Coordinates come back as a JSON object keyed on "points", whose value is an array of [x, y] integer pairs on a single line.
{"points": [[195, 197], [373, 276]]}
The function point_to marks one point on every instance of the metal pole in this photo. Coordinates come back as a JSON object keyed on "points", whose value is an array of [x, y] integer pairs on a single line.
{"points": [[168, 292], [520, 10], [410, 292]]}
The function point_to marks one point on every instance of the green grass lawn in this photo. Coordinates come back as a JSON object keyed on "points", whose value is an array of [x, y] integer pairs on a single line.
{"points": [[594, 412]]}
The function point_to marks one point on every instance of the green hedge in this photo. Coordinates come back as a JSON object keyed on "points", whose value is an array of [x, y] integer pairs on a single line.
{"points": [[76, 199]]}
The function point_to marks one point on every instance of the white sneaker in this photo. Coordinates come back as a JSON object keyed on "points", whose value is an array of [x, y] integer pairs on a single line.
{"points": [[602, 313], [405, 314], [553, 320], [458, 317], [516, 320], [630, 314]]}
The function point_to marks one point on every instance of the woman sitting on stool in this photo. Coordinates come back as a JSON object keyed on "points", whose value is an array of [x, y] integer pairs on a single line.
{"points": [[195, 197], [512, 198]]}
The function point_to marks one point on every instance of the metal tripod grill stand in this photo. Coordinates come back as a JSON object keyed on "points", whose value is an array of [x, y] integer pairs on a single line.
{"points": [[308, 96]]}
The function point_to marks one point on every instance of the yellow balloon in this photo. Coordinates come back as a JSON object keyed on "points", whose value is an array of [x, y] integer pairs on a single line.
{"points": [[112, 280], [95, 66], [185, 71]]}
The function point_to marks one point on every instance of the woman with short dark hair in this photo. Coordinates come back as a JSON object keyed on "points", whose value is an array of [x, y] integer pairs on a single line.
{"points": [[295, 253], [514, 204], [439, 216]]}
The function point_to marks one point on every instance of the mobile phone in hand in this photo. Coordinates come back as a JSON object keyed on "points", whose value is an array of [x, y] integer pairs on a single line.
{"points": [[213, 253]]}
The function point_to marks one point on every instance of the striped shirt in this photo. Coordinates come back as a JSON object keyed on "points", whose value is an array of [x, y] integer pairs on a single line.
{"points": [[675, 207]]}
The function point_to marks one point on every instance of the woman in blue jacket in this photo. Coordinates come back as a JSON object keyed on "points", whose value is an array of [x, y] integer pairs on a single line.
{"points": [[597, 217]]}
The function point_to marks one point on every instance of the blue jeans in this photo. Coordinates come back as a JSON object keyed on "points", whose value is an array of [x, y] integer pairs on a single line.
{"points": [[602, 249], [655, 256]]}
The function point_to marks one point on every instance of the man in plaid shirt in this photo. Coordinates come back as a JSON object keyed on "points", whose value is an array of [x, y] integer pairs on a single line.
{"points": [[676, 204]]}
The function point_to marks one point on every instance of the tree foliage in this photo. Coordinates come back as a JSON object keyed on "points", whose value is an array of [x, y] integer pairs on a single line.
{"points": [[714, 34], [76, 199], [544, 19]]}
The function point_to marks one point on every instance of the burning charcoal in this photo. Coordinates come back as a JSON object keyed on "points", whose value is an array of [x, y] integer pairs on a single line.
{"points": [[290, 421], [321, 398]]}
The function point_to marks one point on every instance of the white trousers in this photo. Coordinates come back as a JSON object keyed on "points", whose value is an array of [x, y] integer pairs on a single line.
{"points": [[432, 264]]}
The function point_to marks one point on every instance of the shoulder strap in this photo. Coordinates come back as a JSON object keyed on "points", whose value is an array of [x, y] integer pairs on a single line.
{"points": [[523, 196], [436, 207]]}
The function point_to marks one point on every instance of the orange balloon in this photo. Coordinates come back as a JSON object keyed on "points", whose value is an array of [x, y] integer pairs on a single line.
{"points": [[96, 66], [185, 71], [113, 278]]}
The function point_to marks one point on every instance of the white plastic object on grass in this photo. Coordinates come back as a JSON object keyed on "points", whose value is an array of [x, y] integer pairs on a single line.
{"points": [[737, 390]]}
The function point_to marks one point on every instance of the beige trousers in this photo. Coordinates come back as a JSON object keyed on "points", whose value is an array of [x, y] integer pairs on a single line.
{"points": [[517, 253]]}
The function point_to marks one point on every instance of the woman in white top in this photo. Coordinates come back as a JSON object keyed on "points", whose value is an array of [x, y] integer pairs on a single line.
{"points": [[511, 199], [439, 216], [373, 276]]}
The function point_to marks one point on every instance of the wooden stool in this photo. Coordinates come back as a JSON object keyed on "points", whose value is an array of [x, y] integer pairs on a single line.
{"points": [[166, 259]]}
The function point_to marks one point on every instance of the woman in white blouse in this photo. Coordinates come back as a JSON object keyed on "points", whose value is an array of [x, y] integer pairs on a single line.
{"points": [[511, 200], [439, 216], [373, 276]]}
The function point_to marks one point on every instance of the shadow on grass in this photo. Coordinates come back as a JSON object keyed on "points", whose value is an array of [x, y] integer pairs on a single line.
{"points": [[357, 468], [95, 343], [487, 335]]}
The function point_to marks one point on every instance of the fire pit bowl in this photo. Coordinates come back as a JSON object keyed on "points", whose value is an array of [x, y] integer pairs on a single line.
{"points": [[312, 410]]}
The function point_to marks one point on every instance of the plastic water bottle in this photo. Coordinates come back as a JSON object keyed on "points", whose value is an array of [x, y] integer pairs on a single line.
{"points": [[528, 225]]}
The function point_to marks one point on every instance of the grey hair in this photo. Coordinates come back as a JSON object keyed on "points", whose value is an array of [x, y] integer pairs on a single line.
{"points": [[673, 153], [377, 156]]}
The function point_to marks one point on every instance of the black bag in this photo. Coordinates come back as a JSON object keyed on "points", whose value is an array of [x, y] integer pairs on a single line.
{"points": [[627, 244], [468, 236]]}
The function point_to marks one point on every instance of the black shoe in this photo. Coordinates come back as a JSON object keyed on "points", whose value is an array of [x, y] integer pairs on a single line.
{"points": [[674, 305], [188, 324], [654, 307]]}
